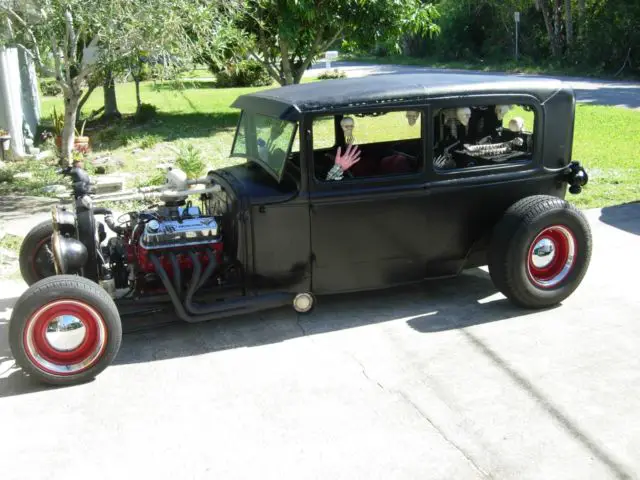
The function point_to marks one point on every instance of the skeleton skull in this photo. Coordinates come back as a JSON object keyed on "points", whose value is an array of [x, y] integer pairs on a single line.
{"points": [[463, 115], [412, 117], [516, 124], [348, 125], [501, 110]]}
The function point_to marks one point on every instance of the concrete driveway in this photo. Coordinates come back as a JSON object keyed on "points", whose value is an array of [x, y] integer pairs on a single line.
{"points": [[440, 381], [588, 90]]}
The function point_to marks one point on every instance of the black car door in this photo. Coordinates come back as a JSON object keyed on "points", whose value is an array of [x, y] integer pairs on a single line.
{"points": [[369, 231]]}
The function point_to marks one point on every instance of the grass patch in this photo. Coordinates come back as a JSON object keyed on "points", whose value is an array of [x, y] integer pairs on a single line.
{"points": [[29, 177], [11, 242], [603, 144], [202, 119]]}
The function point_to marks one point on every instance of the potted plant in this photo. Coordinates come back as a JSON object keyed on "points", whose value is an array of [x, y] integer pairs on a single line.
{"points": [[80, 142], [5, 139]]}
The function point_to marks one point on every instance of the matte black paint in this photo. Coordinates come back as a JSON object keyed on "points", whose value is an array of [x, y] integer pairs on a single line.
{"points": [[329, 237]]}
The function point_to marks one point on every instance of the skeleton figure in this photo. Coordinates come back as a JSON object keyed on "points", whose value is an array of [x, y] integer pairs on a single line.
{"points": [[502, 110], [452, 117], [412, 117], [348, 124]]}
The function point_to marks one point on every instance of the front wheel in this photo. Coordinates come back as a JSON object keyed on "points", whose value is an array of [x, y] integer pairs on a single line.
{"points": [[64, 330], [540, 251]]}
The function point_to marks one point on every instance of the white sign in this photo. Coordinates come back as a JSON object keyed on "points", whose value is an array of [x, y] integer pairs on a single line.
{"points": [[516, 16], [328, 56]]}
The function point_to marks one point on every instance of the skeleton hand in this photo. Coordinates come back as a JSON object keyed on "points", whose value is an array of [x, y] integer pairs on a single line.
{"points": [[443, 161], [350, 157]]}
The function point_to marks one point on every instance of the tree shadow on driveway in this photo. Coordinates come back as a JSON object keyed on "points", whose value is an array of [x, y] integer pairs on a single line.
{"points": [[430, 307], [625, 217]]}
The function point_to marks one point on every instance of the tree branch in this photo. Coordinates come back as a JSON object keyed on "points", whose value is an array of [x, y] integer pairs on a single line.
{"points": [[70, 48], [272, 70], [286, 65], [315, 49], [55, 49], [35, 54]]}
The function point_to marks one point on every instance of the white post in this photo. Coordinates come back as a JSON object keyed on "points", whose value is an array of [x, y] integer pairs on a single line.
{"points": [[517, 18], [11, 115]]}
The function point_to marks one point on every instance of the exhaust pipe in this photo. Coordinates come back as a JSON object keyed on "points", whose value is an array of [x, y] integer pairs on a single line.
{"points": [[224, 309]]}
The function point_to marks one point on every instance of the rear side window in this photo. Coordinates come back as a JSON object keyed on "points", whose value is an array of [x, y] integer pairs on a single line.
{"points": [[482, 136]]}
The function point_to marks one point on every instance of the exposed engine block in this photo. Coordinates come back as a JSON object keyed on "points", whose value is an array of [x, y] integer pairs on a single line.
{"points": [[172, 233], [178, 233]]}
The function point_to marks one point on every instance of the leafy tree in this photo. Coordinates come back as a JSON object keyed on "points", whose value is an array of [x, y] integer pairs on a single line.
{"points": [[289, 34], [88, 39]]}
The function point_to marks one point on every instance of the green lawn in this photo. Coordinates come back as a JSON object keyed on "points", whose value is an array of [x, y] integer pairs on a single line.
{"points": [[202, 116]]}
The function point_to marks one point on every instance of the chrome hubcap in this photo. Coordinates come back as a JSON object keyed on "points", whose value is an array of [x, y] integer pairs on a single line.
{"points": [[303, 302], [552, 256], [65, 333], [543, 253]]}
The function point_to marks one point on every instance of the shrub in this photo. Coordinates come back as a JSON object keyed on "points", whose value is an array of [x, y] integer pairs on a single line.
{"points": [[247, 73], [332, 74], [149, 140], [189, 161], [50, 88], [112, 137], [145, 113]]}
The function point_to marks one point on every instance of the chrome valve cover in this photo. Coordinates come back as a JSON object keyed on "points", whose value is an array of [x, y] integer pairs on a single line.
{"points": [[174, 233]]}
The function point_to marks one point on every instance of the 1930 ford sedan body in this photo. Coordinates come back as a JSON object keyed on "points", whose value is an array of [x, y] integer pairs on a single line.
{"points": [[455, 171]]}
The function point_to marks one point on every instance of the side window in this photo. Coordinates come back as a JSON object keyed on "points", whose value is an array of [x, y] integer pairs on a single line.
{"points": [[324, 134], [482, 136], [389, 143]]}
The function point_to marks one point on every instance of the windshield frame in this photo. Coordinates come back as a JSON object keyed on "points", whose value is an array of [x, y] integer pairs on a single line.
{"points": [[256, 159]]}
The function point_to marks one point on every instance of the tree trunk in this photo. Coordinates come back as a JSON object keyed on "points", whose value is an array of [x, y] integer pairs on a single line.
{"points": [[84, 99], [71, 101], [568, 22], [110, 101], [580, 18], [543, 6], [138, 100], [557, 22], [287, 71]]}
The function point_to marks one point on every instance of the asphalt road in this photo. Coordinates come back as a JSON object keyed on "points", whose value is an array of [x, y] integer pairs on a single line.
{"points": [[439, 381], [588, 90]]}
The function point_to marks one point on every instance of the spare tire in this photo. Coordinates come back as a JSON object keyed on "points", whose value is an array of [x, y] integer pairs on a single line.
{"points": [[540, 251]]}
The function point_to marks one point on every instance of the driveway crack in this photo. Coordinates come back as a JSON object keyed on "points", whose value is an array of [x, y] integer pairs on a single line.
{"points": [[443, 435]]}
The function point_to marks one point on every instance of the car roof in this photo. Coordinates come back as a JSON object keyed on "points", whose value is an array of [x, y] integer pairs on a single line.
{"points": [[290, 102]]}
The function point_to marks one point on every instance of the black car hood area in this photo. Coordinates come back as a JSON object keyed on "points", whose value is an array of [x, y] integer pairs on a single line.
{"points": [[251, 181]]}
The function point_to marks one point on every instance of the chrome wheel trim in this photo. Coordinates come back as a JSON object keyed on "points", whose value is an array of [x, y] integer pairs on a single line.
{"points": [[65, 333], [564, 256], [543, 253], [303, 302], [37, 354]]}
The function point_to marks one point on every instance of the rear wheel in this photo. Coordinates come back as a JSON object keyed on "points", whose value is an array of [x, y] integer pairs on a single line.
{"points": [[540, 251], [36, 261], [65, 330]]}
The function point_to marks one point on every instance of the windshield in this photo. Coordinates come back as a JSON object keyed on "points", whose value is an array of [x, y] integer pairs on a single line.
{"points": [[266, 140]]}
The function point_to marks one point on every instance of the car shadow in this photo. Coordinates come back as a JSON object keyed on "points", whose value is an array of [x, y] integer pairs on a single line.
{"points": [[625, 217], [430, 307]]}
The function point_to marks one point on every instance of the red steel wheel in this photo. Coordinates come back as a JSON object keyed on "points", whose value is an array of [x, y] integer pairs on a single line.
{"points": [[65, 330], [551, 256], [540, 251], [65, 337]]}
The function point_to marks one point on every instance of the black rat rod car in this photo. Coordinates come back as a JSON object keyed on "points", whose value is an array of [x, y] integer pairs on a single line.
{"points": [[348, 185]]}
